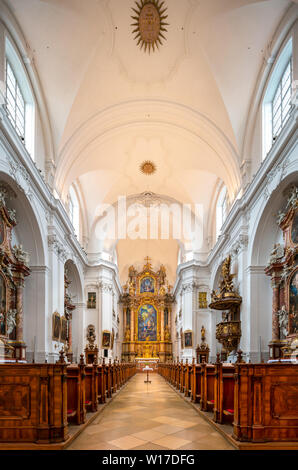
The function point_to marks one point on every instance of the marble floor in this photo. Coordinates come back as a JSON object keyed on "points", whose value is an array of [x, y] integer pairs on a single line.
{"points": [[149, 417]]}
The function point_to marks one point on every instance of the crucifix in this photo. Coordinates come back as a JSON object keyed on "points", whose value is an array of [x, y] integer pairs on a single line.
{"points": [[147, 259]]}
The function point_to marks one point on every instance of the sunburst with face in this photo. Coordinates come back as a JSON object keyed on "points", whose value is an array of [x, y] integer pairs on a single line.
{"points": [[150, 25]]}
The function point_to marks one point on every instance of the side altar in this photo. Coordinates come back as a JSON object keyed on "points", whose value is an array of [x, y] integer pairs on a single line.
{"points": [[147, 309]]}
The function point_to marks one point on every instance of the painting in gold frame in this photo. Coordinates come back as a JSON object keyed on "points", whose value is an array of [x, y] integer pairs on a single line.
{"points": [[63, 334], [294, 229], [56, 326], [113, 338], [106, 339], [188, 339], [203, 300], [91, 303], [293, 302]]}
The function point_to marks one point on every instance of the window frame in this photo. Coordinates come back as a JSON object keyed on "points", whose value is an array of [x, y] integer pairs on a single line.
{"points": [[270, 130], [16, 95], [280, 96], [15, 61]]}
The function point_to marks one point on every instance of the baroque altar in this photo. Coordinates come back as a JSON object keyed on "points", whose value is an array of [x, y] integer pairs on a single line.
{"points": [[14, 267], [283, 270], [147, 309]]}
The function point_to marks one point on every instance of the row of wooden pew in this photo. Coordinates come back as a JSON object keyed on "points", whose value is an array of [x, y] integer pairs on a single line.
{"points": [[92, 384], [38, 402], [260, 401]]}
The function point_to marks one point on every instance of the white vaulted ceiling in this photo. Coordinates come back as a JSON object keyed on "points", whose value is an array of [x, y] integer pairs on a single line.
{"points": [[112, 106]]}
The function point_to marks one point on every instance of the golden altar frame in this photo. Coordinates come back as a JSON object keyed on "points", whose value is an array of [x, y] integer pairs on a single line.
{"points": [[147, 288]]}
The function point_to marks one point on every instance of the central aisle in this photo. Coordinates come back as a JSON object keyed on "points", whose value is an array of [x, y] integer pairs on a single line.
{"points": [[150, 417]]}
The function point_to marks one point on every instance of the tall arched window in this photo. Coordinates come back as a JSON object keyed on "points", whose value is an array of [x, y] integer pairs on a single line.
{"points": [[277, 99], [74, 211], [221, 210], [19, 99]]}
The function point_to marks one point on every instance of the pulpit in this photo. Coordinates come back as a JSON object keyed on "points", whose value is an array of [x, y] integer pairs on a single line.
{"points": [[228, 332]]}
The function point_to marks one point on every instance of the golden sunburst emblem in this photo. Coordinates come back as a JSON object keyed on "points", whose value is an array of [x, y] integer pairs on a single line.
{"points": [[148, 167], [150, 24]]}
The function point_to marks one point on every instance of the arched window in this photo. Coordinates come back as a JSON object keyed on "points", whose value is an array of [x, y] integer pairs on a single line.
{"points": [[74, 211], [19, 99], [277, 99], [221, 210]]}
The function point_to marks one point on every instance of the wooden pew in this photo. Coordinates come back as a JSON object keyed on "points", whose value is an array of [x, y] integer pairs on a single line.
{"points": [[76, 409], [187, 379], [196, 383], [177, 372], [266, 402], [181, 377], [91, 387], [108, 380], [208, 387], [101, 385], [224, 393], [118, 384], [33, 403]]}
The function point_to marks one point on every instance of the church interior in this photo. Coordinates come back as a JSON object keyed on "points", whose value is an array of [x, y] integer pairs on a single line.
{"points": [[148, 224]]}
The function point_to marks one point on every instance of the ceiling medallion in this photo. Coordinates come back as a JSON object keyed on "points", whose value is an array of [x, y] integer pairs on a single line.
{"points": [[149, 24], [148, 167]]}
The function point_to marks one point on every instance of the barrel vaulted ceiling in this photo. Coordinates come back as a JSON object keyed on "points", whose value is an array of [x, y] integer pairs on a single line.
{"points": [[111, 105]]}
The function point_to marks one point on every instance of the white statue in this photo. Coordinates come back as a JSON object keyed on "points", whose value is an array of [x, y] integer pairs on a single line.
{"points": [[280, 216], [293, 198], [283, 321], [11, 321], [21, 255], [276, 253]]}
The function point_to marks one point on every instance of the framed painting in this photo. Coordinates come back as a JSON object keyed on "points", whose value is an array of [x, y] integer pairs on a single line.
{"points": [[2, 232], [188, 341], [64, 328], [293, 303], [181, 339], [203, 300], [91, 303], [113, 337], [56, 326], [294, 229], [147, 323], [106, 339], [147, 285], [2, 306]]}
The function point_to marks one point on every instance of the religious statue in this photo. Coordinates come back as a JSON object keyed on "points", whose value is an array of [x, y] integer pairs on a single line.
{"points": [[162, 274], [203, 334], [293, 198], [276, 253], [91, 337], [131, 274], [280, 216], [131, 289], [127, 335], [162, 290], [21, 255], [283, 321], [125, 288], [11, 321], [226, 284], [167, 334]]}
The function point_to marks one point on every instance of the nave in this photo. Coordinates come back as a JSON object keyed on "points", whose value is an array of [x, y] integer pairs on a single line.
{"points": [[149, 417]]}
